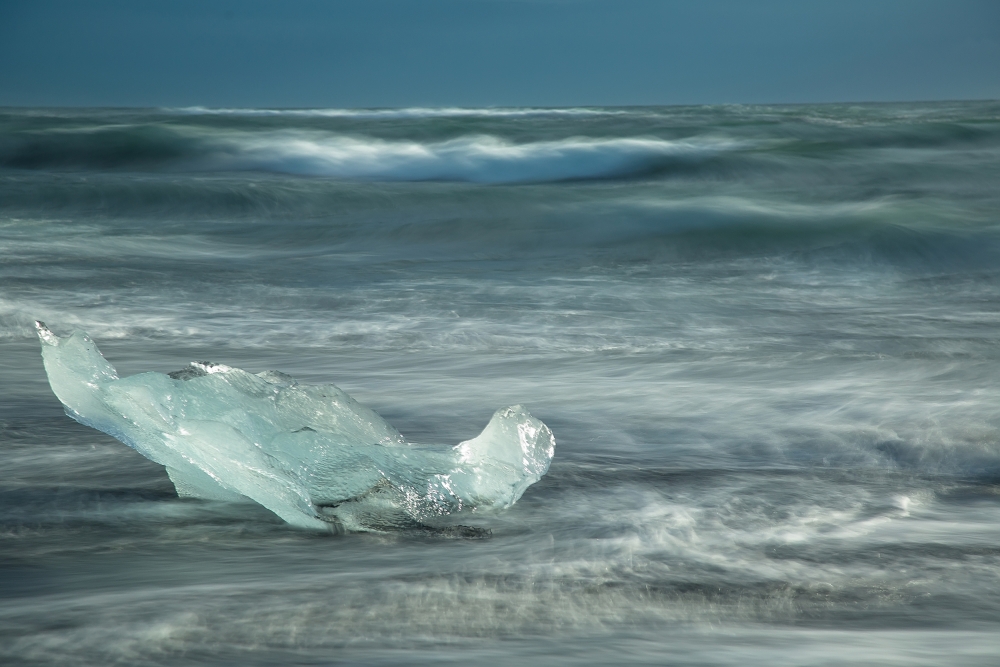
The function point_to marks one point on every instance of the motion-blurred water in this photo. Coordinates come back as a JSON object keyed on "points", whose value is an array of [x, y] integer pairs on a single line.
{"points": [[765, 338]]}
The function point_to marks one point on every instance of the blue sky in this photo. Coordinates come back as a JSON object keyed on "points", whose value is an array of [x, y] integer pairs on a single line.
{"points": [[313, 53]]}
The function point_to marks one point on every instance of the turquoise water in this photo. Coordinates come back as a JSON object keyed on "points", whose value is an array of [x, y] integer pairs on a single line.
{"points": [[765, 339]]}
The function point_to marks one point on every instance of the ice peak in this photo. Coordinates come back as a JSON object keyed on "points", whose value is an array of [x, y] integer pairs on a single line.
{"points": [[44, 334]]}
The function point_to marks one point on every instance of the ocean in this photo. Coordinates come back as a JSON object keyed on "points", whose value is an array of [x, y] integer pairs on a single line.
{"points": [[765, 338]]}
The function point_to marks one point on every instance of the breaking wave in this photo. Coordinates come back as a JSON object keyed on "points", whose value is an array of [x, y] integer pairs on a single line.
{"points": [[481, 159], [472, 158]]}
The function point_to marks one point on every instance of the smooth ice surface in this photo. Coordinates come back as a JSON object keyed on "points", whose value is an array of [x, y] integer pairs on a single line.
{"points": [[311, 454]]}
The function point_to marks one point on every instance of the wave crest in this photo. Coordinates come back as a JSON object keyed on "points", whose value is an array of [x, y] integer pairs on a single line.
{"points": [[410, 112]]}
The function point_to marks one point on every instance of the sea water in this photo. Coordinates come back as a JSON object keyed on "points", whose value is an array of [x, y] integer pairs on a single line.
{"points": [[765, 338]]}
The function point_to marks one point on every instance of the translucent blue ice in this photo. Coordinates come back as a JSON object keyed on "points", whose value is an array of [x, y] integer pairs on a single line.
{"points": [[311, 454]]}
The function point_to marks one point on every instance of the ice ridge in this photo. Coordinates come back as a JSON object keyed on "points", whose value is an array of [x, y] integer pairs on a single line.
{"points": [[309, 453]]}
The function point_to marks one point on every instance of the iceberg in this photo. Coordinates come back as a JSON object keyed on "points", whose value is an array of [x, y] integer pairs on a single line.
{"points": [[309, 453]]}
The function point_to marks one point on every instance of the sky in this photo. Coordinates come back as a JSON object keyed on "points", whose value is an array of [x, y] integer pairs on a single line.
{"points": [[392, 53]]}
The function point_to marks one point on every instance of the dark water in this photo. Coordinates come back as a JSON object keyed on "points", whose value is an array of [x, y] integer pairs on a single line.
{"points": [[766, 339]]}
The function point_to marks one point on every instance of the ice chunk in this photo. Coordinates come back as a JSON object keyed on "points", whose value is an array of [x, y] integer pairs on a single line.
{"points": [[311, 454]]}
